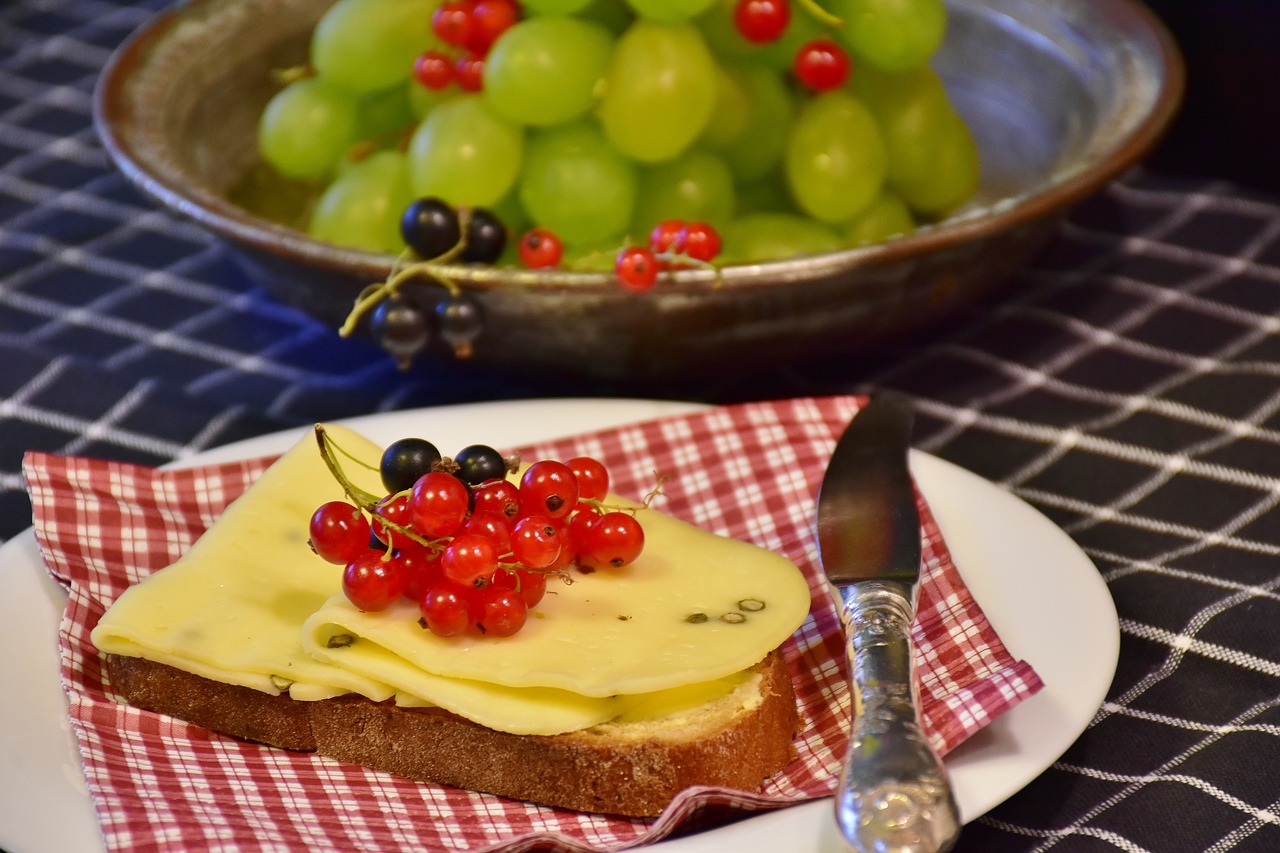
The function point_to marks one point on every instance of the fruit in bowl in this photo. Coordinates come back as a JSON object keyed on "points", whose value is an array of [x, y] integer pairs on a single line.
{"points": [[601, 121], [1052, 101]]}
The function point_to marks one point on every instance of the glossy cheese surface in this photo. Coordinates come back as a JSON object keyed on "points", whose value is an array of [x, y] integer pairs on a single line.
{"points": [[656, 624]]}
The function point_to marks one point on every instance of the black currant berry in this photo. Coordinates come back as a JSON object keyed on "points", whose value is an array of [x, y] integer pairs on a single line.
{"points": [[430, 227], [486, 237], [478, 463], [401, 328], [404, 461], [460, 320]]}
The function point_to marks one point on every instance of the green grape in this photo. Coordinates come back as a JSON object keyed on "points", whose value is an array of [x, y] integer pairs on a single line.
{"points": [[659, 91], [576, 184], [362, 207], [553, 7], [363, 45], [731, 110], [464, 154], [669, 11], [932, 157], [758, 150], [956, 173], [382, 115], [306, 128], [545, 70], [774, 236], [893, 35], [835, 160], [911, 108], [887, 216], [696, 187]]}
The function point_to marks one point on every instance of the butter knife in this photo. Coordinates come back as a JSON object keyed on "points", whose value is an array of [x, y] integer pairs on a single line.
{"points": [[894, 794]]}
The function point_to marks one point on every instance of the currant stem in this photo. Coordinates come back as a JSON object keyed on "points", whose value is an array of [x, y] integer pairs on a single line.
{"points": [[676, 260], [292, 74], [402, 272], [655, 492], [367, 501]]}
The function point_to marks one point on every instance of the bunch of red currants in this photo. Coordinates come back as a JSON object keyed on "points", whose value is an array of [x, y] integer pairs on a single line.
{"points": [[473, 548]]}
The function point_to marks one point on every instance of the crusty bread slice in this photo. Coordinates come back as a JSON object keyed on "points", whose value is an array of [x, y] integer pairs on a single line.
{"points": [[241, 712], [630, 768]]}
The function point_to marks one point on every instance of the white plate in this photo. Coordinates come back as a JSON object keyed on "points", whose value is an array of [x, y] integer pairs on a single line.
{"points": [[1039, 590]]}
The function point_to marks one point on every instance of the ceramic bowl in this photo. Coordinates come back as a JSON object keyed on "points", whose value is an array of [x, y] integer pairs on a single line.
{"points": [[1062, 97]]}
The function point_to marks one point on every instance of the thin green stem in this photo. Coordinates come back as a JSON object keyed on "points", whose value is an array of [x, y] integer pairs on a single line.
{"points": [[401, 273], [367, 501]]}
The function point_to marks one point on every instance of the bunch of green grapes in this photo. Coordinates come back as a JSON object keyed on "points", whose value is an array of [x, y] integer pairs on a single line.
{"points": [[793, 128]]}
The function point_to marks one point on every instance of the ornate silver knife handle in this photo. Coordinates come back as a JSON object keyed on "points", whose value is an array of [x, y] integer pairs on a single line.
{"points": [[894, 795]]}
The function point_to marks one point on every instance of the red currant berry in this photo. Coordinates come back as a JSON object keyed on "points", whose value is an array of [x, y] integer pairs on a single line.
{"points": [[613, 542], [469, 72], [498, 612], [438, 504], [433, 70], [761, 21], [395, 509], [536, 542], [540, 249], [821, 65], [452, 22], [446, 608], [701, 241], [548, 488], [636, 268], [470, 557], [421, 568], [490, 19], [666, 236], [491, 526], [567, 552], [592, 477], [500, 497], [532, 586], [583, 520], [339, 532], [373, 581]]}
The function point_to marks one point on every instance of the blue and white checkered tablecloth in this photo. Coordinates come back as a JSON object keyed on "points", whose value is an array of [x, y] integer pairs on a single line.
{"points": [[1127, 384]]}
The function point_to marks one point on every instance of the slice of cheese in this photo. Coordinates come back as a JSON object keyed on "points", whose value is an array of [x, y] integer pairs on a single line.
{"points": [[694, 607], [232, 607], [250, 604]]}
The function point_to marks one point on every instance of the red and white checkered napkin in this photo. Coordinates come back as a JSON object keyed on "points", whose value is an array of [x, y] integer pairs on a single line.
{"points": [[749, 471]]}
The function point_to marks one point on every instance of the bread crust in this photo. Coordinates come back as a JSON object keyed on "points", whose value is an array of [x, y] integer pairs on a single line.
{"points": [[632, 769], [231, 709]]}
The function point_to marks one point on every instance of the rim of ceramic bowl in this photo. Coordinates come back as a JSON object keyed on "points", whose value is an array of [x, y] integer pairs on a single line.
{"points": [[1053, 196]]}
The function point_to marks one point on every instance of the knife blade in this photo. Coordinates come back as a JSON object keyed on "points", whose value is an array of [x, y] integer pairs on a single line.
{"points": [[894, 793]]}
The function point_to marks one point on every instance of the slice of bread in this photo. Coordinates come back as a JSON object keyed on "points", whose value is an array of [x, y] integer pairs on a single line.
{"points": [[629, 768]]}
